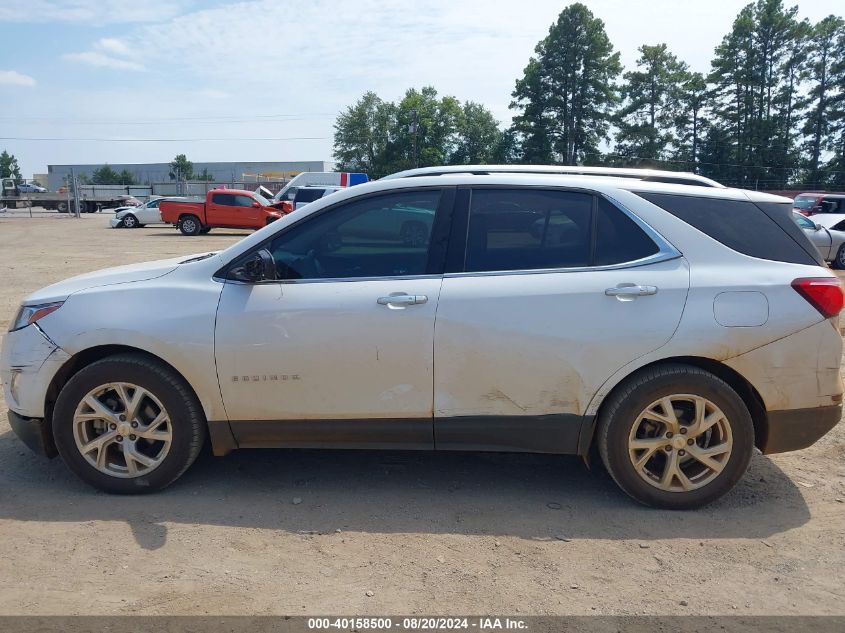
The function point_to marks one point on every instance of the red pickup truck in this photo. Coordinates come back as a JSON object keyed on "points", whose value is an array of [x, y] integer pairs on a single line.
{"points": [[225, 208]]}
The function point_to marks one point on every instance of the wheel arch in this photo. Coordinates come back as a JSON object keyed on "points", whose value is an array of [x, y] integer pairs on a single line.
{"points": [[746, 391], [88, 356]]}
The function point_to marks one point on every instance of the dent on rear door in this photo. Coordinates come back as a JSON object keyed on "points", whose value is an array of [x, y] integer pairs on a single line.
{"points": [[543, 344]]}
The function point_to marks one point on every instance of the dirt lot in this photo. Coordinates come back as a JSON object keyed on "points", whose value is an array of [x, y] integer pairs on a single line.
{"points": [[308, 532]]}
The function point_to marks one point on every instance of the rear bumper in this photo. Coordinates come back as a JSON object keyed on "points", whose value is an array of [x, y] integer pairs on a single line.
{"points": [[795, 429], [34, 432]]}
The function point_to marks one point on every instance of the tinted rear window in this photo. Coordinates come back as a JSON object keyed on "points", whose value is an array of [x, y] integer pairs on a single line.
{"points": [[742, 226], [530, 229]]}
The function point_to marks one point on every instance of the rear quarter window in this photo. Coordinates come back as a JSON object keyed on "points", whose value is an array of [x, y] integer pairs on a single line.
{"points": [[763, 230]]}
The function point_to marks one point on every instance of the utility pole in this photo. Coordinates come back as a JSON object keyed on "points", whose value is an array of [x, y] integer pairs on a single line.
{"points": [[413, 128], [74, 184]]}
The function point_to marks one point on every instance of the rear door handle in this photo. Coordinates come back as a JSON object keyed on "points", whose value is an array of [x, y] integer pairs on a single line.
{"points": [[631, 291], [401, 299]]}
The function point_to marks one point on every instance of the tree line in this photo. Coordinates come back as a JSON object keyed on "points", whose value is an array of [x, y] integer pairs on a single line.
{"points": [[770, 113]]}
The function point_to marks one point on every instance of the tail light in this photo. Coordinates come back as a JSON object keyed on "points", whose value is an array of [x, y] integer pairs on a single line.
{"points": [[823, 293]]}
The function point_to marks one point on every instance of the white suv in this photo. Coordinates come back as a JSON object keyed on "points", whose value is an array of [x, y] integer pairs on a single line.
{"points": [[671, 327]]}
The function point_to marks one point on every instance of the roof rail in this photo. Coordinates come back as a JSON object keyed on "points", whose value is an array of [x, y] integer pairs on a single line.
{"points": [[649, 175]]}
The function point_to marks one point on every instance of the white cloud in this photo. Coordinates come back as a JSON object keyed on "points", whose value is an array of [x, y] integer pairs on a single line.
{"points": [[95, 58], [14, 78], [112, 45], [95, 12]]}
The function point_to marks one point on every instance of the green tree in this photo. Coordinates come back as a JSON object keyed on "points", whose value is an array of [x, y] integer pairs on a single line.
{"points": [[750, 71], [362, 136], [181, 168], [652, 97], [9, 167], [127, 178], [479, 136], [567, 91], [105, 175], [689, 121], [423, 129], [426, 129], [826, 60]]}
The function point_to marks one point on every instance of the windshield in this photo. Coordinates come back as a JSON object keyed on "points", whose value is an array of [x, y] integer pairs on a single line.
{"points": [[264, 201], [804, 202]]}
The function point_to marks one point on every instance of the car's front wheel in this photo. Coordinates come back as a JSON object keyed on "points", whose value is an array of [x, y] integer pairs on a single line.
{"points": [[675, 437], [130, 221], [128, 424]]}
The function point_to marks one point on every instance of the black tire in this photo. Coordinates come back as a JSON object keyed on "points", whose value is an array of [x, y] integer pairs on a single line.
{"points": [[130, 221], [187, 422], [839, 260], [62, 207], [619, 413], [190, 225]]}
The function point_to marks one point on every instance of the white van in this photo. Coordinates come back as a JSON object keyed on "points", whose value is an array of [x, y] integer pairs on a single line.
{"points": [[312, 178]]}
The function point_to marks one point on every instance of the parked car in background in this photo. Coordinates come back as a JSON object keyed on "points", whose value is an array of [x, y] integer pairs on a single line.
{"points": [[132, 217], [304, 195], [316, 178], [26, 187], [224, 208], [671, 328], [829, 241], [813, 203]]}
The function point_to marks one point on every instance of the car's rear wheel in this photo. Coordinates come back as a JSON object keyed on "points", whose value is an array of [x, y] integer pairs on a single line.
{"points": [[190, 225], [676, 437], [128, 424], [130, 221]]}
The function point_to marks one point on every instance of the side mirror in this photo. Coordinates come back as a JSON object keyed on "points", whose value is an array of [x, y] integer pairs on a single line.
{"points": [[258, 267], [817, 227], [256, 204]]}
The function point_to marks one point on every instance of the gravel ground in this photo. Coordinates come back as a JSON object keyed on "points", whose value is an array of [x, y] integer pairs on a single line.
{"points": [[312, 532]]}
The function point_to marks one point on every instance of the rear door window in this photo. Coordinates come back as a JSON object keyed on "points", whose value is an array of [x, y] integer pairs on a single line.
{"points": [[225, 199], [531, 229]]}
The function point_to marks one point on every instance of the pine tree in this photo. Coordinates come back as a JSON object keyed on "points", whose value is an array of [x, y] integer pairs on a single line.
{"points": [[652, 99], [567, 91]]}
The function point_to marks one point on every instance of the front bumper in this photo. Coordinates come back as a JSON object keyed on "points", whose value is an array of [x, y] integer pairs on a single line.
{"points": [[795, 429], [35, 433], [36, 359], [116, 222]]}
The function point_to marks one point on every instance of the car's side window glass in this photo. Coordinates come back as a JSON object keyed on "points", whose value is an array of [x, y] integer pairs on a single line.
{"points": [[225, 199], [309, 195], [243, 201], [618, 238], [525, 229], [380, 236]]}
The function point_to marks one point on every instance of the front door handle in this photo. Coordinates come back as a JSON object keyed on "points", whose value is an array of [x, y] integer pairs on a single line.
{"points": [[629, 291], [402, 299]]}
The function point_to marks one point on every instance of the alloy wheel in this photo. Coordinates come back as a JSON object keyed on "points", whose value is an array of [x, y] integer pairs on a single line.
{"points": [[122, 430], [680, 443]]}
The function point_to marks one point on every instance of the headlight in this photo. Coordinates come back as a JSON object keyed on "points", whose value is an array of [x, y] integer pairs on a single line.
{"points": [[28, 315]]}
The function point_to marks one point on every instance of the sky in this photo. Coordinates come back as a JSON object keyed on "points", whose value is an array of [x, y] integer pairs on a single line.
{"points": [[263, 80]]}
